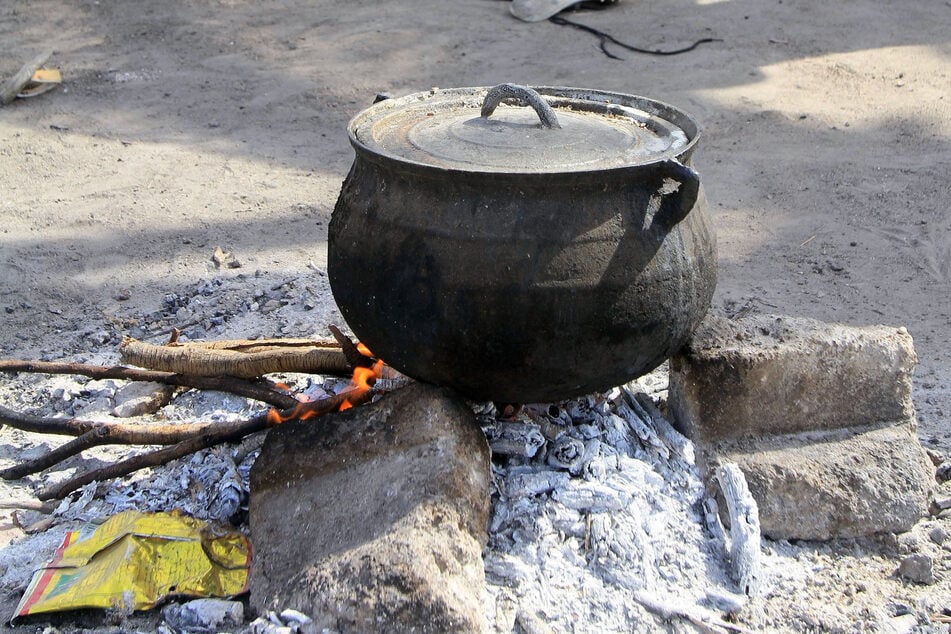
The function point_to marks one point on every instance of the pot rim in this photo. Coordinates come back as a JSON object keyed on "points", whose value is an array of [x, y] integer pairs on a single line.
{"points": [[557, 97]]}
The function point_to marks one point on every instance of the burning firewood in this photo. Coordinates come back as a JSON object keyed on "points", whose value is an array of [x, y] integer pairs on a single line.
{"points": [[221, 365]]}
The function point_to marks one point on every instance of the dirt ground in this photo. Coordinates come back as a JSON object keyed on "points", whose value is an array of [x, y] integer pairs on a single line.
{"points": [[183, 126]]}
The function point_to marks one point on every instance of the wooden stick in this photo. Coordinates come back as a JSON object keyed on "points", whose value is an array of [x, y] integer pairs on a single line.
{"points": [[29, 505], [349, 349], [248, 389], [115, 433], [243, 359], [744, 528], [127, 466], [187, 438], [91, 438], [15, 84]]}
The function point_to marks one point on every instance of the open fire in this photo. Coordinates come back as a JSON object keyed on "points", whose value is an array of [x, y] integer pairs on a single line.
{"points": [[365, 374]]}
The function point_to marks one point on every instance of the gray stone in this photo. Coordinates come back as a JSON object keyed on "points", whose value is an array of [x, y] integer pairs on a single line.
{"points": [[826, 485], [767, 374], [141, 397], [374, 519], [917, 568]]}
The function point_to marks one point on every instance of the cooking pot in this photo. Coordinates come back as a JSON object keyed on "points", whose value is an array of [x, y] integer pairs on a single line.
{"points": [[522, 244]]}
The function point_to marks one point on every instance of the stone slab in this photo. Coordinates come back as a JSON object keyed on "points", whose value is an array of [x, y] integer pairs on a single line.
{"points": [[769, 374], [374, 519], [830, 484]]}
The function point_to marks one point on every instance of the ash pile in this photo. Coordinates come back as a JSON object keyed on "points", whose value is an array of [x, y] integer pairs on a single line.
{"points": [[598, 518]]}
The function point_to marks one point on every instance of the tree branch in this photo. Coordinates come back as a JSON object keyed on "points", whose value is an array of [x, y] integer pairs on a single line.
{"points": [[183, 439], [241, 387]]}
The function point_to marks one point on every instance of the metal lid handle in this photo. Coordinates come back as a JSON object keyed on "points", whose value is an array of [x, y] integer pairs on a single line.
{"points": [[524, 95]]}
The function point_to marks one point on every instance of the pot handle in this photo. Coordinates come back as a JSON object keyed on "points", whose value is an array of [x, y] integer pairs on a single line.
{"points": [[674, 206], [524, 95]]}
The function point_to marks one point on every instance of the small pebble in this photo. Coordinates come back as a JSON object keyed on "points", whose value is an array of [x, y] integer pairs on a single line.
{"points": [[937, 534], [903, 624], [917, 568]]}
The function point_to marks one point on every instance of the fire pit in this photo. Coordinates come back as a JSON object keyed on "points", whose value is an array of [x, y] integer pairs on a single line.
{"points": [[519, 253]]}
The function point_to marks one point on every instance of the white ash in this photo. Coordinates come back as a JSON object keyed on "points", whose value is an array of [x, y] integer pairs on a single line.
{"points": [[286, 622], [849, 586], [600, 521]]}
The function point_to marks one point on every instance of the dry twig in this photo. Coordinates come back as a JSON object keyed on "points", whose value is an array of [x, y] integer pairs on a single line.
{"points": [[222, 432], [219, 357]]}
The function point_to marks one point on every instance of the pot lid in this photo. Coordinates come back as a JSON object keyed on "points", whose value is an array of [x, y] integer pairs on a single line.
{"points": [[517, 129]]}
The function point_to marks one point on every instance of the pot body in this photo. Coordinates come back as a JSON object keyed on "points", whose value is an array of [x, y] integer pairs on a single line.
{"points": [[521, 287]]}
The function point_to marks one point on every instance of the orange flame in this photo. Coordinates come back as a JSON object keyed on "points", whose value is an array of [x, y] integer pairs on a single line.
{"points": [[362, 380], [274, 417]]}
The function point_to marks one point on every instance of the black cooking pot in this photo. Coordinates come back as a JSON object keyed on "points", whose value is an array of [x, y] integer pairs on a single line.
{"points": [[519, 244]]}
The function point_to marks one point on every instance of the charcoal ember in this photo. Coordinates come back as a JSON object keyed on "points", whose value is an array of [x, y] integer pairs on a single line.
{"points": [[514, 439], [207, 288], [937, 534], [550, 412], [586, 431], [486, 409], [617, 434], [308, 299], [507, 511], [567, 453], [292, 617], [592, 497], [675, 441], [567, 521], [596, 467], [505, 569], [648, 437], [582, 410], [534, 483]]}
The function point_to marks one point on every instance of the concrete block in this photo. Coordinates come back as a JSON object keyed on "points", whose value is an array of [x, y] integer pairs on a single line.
{"points": [[374, 519], [830, 484], [818, 416], [769, 374]]}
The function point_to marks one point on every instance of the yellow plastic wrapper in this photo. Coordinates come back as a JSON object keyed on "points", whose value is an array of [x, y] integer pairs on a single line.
{"points": [[135, 560]]}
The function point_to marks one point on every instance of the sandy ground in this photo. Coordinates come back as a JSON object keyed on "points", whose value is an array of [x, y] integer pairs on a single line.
{"points": [[183, 126]]}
